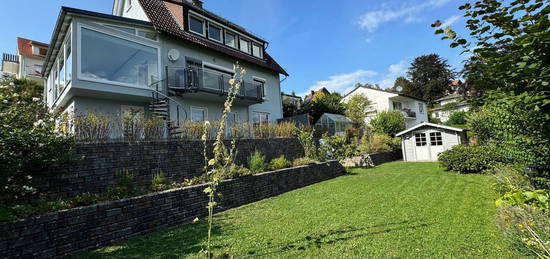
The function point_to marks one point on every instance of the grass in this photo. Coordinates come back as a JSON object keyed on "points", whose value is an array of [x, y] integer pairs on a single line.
{"points": [[396, 210]]}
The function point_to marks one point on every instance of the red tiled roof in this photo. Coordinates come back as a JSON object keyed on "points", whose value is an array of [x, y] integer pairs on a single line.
{"points": [[24, 47], [162, 19]]}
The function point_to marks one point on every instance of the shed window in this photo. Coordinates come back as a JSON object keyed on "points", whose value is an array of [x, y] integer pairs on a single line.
{"points": [[420, 139], [436, 139]]}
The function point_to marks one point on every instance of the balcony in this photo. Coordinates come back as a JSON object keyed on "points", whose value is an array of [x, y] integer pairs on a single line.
{"points": [[408, 113], [204, 83]]}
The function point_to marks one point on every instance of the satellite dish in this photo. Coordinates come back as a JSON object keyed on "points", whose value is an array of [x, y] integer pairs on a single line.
{"points": [[173, 55], [399, 88]]}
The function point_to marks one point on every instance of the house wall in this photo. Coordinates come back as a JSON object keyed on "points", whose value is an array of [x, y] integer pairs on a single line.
{"points": [[133, 10], [27, 69], [10, 67], [445, 115]]}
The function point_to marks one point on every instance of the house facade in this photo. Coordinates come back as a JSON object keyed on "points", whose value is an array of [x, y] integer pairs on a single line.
{"points": [[413, 109], [447, 105], [292, 99], [28, 62], [164, 58]]}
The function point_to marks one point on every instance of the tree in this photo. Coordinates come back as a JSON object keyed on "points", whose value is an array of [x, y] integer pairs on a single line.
{"points": [[356, 109], [429, 78], [509, 48], [289, 108], [323, 103], [388, 122], [458, 118]]}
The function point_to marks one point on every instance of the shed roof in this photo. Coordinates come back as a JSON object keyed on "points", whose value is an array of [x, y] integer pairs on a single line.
{"points": [[429, 125]]}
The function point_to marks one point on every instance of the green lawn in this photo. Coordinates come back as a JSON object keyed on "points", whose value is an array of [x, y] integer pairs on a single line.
{"points": [[396, 210]]}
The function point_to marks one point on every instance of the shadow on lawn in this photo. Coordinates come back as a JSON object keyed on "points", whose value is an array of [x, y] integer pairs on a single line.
{"points": [[331, 237], [173, 242]]}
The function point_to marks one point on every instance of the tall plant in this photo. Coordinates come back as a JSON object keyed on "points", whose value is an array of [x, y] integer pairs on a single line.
{"points": [[223, 158]]}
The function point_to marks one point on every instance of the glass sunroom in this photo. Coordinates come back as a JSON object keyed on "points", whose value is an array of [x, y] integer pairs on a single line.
{"points": [[335, 124]]}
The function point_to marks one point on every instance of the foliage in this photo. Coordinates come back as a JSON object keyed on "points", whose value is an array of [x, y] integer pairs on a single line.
{"points": [[159, 182], [256, 162], [279, 163], [333, 147], [429, 78], [539, 199], [323, 103], [376, 143], [510, 177], [388, 122], [123, 186], [469, 159], [457, 118], [132, 125], [433, 120], [92, 127], [289, 108], [30, 142], [356, 109], [419, 211], [275, 130], [303, 161], [153, 128], [305, 136], [528, 228]]}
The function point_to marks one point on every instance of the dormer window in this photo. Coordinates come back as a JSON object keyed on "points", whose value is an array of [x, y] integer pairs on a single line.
{"points": [[244, 45], [230, 40], [257, 50], [39, 51], [214, 32], [196, 25]]}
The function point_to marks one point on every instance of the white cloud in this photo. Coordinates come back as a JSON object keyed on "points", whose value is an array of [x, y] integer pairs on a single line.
{"points": [[450, 21], [409, 13], [342, 83], [394, 71]]}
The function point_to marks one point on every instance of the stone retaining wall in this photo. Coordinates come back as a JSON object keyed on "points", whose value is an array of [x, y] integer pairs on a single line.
{"points": [[96, 165], [81, 229]]}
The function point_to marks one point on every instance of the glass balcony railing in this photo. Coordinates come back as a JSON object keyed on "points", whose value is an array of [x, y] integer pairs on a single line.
{"points": [[205, 80]]}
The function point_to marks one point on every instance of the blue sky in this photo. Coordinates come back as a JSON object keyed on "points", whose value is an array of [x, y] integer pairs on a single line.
{"points": [[321, 43]]}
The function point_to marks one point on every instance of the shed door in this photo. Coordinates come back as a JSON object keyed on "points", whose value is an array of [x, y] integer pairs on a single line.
{"points": [[436, 144], [422, 149]]}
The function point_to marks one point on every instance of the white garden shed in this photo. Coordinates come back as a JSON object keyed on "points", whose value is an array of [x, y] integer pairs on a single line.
{"points": [[425, 141]]}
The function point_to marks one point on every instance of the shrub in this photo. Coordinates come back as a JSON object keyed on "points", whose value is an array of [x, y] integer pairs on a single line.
{"points": [[469, 159], [305, 136], [153, 128], [458, 118], [377, 143], [30, 141], [510, 177], [279, 163], [256, 162], [303, 161], [159, 182], [334, 147], [539, 199], [86, 199], [192, 130], [132, 125], [285, 129], [124, 185], [388, 122], [92, 127]]}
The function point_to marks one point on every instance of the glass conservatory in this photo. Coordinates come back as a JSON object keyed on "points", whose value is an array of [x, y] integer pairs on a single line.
{"points": [[335, 124]]}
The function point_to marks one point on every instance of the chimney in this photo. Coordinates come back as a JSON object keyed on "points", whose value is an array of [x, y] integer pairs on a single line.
{"points": [[197, 3]]}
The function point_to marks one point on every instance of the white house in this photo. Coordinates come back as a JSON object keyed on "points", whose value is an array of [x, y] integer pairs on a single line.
{"points": [[425, 141], [447, 105], [414, 109], [170, 59], [28, 62]]}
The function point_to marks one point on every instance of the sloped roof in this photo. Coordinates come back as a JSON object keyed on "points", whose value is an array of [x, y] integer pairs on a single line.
{"points": [[336, 117], [429, 125], [163, 20], [383, 90], [24, 47], [447, 97]]}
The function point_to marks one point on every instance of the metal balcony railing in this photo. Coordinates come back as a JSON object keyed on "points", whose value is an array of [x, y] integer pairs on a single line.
{"points": [[205, 80], [408, 113]]}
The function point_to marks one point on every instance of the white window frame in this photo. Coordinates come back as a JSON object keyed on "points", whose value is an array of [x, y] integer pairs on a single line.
{"points": [[399, 104], [194, 16], [263, 81], [241, 38], [211, 24], [260, 112], [235, 38], [421, 108], [203, 109], [260, 48], [102, 30], [110, 26]]}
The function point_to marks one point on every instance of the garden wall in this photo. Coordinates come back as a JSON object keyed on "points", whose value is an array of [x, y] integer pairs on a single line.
{"points": [[81, 229], [385, 157], [96, 165]]}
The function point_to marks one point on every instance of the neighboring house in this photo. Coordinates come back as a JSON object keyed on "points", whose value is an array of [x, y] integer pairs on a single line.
{"points": [[167, 58], [293, 99], [447, 105], [425, 141], [414, 109], [28, 62], [308, 98]]}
